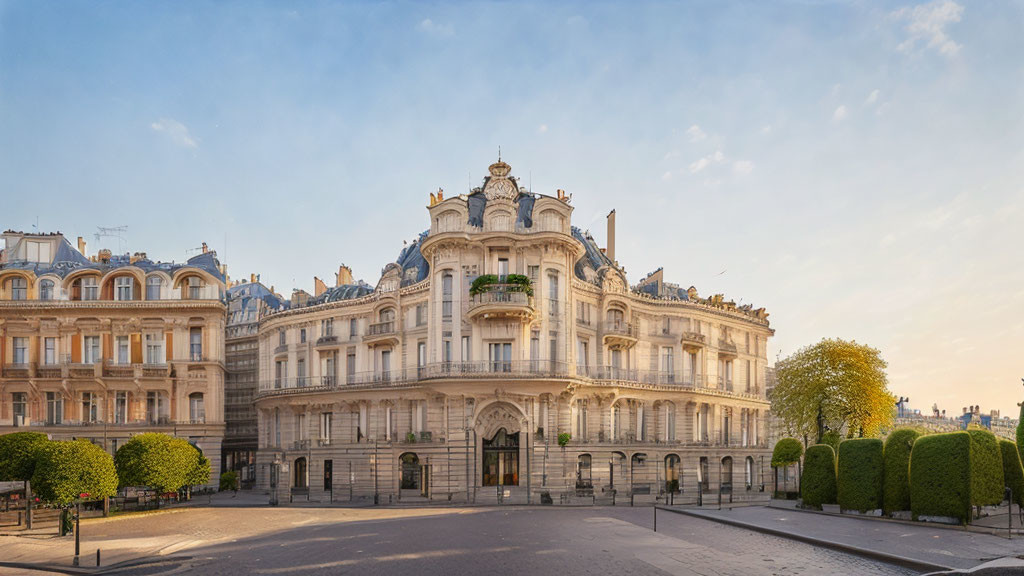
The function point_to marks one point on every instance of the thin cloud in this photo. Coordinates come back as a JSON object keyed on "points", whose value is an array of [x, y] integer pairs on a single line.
{"points": [[428, 26], [743, 166], [926, 25], [706, 161], [542, 128], [176, 131], [840, 114], [872, 98], [695, 133]]}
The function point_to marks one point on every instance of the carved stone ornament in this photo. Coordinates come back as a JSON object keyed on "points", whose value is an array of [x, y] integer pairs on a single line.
{"points": [[500, 415], [500, 186]]}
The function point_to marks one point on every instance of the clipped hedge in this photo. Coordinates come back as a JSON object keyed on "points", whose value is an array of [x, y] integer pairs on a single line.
{"points": [[986, 468], [1020, 432], [940, 476], [1013, 472], [818, 485], [896, 466], [787, 451], [162, 462], [859, 482]]}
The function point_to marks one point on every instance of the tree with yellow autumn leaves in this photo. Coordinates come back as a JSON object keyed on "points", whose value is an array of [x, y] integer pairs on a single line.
{"points": [[833, 386]]}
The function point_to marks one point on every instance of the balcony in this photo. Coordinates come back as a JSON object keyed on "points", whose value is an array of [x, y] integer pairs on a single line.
{"points": [[282, 349], [111, 370], [501, 301], [328, 341], [85, 370], [511, 369], [693, 341], [381, 333], [49, 371], [725, 383], [156, 370], [619, 334], [17, 371], [727, 349]]}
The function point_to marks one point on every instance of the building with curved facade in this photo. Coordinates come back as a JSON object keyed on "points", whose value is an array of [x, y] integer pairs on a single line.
{"points": [[504, 357], [108, 346]]}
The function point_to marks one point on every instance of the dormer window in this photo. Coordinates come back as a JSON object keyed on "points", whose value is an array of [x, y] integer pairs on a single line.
{"points": [[90, 288], [123, 288], [46, 290], [19, 289], [153, 286], [194, 286]]}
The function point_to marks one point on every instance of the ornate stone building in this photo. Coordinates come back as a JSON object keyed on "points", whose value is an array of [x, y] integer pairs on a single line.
{"points": [[110, 346], [504, 357]]}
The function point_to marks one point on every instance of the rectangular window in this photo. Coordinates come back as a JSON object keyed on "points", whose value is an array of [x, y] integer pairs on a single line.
{"points": [[385, 364], [157, 408], [20, 350], [54, 408], [668, 363], [19, 289], [123, 350], [327, 328], [49, 351], [446, 350], [502, 269], [325, 427], [350, 365], [553, 294], [302, 336], [300, 367], [500, 356], [533, 272], [153, 285], [92, 349], [421, 354], [123, 287], [353, 328], [446, 296], [281, 338], [466, 349], [155, 349], [582, 354], [666, 326], [90, 407], [120, 407], [280, 373], [553, 350], [19, 404], [421, 314], [90, 289]]}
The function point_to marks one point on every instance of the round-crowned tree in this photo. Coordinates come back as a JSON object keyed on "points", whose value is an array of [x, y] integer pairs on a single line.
{"points": [[18, 454], [155, 460], [69, 470]]}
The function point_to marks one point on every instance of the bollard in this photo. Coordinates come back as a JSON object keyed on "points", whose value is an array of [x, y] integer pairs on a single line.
{"points": [[19, 517], [97, 557], [1009, 513], [655, 518]]}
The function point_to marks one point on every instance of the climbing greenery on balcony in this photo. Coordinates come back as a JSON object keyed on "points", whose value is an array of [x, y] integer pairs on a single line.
{"points": [[511, 283]]}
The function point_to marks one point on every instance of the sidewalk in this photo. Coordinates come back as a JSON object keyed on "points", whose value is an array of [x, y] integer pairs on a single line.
{"points": [[918, 546]]}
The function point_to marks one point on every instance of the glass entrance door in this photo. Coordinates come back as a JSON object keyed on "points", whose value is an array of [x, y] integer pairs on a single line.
{"points": [[501, 459]]}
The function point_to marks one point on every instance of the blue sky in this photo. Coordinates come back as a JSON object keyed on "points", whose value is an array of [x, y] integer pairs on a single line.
{"points": [[857, 168]]}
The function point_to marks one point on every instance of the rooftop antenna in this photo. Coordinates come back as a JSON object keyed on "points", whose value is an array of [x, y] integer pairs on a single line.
{"points": [[113, 232], [36, 225], [499, 152]]}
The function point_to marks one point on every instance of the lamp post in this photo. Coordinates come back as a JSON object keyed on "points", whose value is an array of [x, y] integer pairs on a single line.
{"points": [[78, 531]]}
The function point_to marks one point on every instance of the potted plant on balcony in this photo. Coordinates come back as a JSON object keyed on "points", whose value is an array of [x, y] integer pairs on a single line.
{"points": [[511, 283]]}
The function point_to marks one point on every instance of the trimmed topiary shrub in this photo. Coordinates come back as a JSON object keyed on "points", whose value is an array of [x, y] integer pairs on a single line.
{"points": [[67, 471], [1013, 472], [229, 481], [896, 465], [818, 485], [859, 481], [787, 451], [1020, 432], [18, 452], [986, 468], [161, 462], [564, 438], [940, 476]]}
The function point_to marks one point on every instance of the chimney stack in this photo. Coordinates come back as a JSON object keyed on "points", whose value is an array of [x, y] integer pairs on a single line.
{"points": [[611, 236], [252, 278], [205, 249], [81, 245], [344, 276], [318, 286]]}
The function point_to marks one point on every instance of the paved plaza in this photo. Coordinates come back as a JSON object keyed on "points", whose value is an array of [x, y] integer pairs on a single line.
{"points": [[283, 541]]}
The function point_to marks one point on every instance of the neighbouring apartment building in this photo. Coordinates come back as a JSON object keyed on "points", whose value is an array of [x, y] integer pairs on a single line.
{"points": [[504, 357], [247, 302], [108, 346]]}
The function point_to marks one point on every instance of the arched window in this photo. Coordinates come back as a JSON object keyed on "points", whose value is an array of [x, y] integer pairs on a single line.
{"points": [[410, 471], [124, 288], [19, 289], [196, 407], [702, 474], [387, 315], [583, 472], [673, 471], [749, 473], [727, 474], [154, 284], [300, 480], [46, 290]]}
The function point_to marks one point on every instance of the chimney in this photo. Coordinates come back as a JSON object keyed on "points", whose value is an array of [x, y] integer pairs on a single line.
{"points": [[252, 278], [318, 286], [205, 249], [81, 245], [611, 236], [344, 276]]}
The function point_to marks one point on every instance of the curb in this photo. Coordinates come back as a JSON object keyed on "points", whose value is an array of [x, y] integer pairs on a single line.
{"points": [[903, 561], [87, 570], [975, 528]]}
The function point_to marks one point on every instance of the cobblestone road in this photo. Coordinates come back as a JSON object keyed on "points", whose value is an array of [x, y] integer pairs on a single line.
{"points": [[451, 542]]}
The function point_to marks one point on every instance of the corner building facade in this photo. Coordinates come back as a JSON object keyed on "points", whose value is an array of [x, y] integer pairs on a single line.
{"points": [[504, 358]]}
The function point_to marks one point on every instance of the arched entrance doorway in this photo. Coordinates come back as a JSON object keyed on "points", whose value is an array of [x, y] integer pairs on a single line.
{"points": [[410, 479], [501, 459], [672, 474], [300, 479]]}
